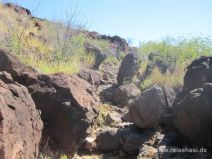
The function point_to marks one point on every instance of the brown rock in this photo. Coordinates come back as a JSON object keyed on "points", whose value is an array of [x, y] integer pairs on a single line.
{"points": [[125, 93], [20, 123], [148, 110], [12, 65], [68, 108], [92, 76]]}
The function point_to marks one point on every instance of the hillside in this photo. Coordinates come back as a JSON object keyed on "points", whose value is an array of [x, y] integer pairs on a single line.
{"points": [[66, 92]]}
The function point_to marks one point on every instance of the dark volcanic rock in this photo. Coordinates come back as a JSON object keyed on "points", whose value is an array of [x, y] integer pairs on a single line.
{"points": [[148, 110], [193, 116], [128, 69], [125, 93], [109, 140], [198, 73], [20, 123], [67, 105]]}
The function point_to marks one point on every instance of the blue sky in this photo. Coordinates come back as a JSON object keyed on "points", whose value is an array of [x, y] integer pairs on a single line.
{"points": [[140, 20]]}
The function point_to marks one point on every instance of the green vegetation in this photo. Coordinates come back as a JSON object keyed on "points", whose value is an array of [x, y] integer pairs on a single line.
{"points": [[55, 47], [177, 54]]}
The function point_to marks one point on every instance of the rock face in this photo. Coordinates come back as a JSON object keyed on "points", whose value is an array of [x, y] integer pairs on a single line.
{"points": [[20, 123], [198, 73], [67, 105], [128, 69], [193, 116], [150, 107], [124, 93]]}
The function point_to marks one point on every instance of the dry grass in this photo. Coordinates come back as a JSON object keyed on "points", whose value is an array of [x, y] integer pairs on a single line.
{"points": [[174, 80]]}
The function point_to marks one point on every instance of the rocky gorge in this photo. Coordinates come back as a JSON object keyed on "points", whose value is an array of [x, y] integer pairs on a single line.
{"points": [[93, 96], [67, 114]]}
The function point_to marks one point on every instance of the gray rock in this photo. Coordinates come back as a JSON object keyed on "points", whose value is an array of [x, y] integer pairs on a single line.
{"points": [[109, 140], [192, 116], [128, 69], [198, 73], [125, 93], [148, 110]]}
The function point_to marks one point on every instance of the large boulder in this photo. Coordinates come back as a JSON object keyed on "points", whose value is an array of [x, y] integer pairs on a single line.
{"points": [[68, 108], [148, 110], [109, 140], [193, 116], [125, 93], [198, 73], [128, 68], [67, 103], [20, 122]]}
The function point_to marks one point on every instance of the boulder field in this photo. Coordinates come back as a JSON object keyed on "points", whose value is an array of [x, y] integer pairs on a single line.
{"points": [[91, 113], [67, 104]]}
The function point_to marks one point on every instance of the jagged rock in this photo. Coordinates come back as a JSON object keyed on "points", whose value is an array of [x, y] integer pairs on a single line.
{"points": [[192, 116], [20, 122], [68, 108], [92, 76], [198, 73], [108, 140], [150, 107], [128, 69], [125, 93], [98, 54]]}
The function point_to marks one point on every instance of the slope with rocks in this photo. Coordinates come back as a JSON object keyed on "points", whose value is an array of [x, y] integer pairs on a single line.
{"points": [[83, 95]]}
